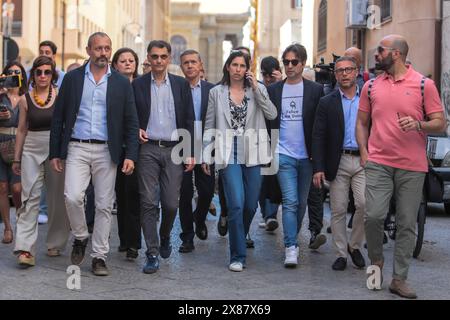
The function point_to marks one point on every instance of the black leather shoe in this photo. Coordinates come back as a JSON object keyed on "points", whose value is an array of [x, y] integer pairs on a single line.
{"points": [[186, 247], [122, 248], [271, 225], [151, 265], [99, 267], [317, 240], [357, 258], [78, 251], [165, 250], [340, 264], [249, 242], [201, 231], [222, 226], [132, 254]]}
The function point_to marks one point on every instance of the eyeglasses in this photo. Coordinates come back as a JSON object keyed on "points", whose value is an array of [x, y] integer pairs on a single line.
{"points": [[380, 49], [294, 62], [40, 72], [13, 72], [266, 74], [347, 70], [146, 65], [156, 57]]}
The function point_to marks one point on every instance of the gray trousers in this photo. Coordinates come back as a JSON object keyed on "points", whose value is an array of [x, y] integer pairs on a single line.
{"points": [[406, 186], [157, 172]]}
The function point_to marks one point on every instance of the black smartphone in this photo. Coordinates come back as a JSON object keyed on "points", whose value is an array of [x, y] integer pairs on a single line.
{"points": [[8, 82], [3, 108]]}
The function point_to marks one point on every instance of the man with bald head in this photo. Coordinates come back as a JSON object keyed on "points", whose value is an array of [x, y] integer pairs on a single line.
{"points": [[363, 76], [403, 107]]}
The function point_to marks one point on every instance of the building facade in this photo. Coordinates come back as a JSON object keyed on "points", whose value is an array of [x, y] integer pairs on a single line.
{"points": [[69, 23], [206, 33], [417, 20]]}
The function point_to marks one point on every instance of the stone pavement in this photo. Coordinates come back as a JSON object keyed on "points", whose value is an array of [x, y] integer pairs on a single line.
{"points": [[203, 274]]}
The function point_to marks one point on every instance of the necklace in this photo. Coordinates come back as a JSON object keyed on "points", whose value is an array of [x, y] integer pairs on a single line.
{"points": [[41, 102]]}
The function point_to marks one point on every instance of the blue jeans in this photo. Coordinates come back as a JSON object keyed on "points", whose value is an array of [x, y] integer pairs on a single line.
{"points": [[242, 186], [295, 178], [269, 210]]}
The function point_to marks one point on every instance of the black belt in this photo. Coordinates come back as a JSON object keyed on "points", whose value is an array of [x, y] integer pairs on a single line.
{"points": [[351, 152], [92, 141], [163, 144]]}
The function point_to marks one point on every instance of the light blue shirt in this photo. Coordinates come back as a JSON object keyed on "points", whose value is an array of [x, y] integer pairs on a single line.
{"points": [[350, 109], [197, 98], [162, 116], [91, 122], [292, 134]]}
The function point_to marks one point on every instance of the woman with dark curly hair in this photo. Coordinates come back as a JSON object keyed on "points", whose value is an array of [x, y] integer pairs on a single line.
{"points": [[31, 162], [9, 119]]}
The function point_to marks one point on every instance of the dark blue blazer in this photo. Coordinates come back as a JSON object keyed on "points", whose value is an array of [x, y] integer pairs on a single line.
{"points": [[328, 135], [181, 91], [313, 92], [121, 116], [206, 87]]}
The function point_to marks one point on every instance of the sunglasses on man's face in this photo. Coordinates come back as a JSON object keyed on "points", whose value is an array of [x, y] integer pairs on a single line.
{"points": [[13, 72], [294, 62], [40, 72], [381, 49]]}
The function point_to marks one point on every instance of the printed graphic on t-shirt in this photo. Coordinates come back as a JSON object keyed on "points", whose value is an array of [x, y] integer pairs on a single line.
{"points": [[292, 110]]}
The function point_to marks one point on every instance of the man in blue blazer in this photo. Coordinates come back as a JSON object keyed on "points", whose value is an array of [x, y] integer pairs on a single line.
{"points": [[95, 115], [191, 65], [166, 117]]}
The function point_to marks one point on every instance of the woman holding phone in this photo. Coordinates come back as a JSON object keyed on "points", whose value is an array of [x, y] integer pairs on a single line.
{"points": [[237, 110], [9, 120], [31, 162]]}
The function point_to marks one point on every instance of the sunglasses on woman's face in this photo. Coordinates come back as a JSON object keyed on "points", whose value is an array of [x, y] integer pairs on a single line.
{"points": [[40, 72], [13, 72]]}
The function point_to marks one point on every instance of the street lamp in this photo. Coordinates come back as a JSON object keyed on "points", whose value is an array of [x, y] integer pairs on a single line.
{"points": [[137, 39]]}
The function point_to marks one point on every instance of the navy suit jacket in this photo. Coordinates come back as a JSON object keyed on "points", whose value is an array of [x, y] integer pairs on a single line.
{"points": [[184, 105], [121, 116], [206, 87], [311, 96], [328, 135]]}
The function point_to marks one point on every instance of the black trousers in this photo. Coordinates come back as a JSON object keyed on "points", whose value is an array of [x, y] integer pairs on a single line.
{"points": [[205, 189], [128, 209], [315, 209]]}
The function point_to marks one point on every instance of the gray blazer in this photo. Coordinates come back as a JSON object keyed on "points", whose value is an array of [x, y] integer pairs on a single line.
{"points": [[257, 143]]}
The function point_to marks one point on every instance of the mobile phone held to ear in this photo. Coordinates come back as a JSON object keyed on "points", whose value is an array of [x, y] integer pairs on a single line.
{"points": [[9, 82]]}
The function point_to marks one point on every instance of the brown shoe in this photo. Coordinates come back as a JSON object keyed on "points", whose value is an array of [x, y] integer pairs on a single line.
{"points": [[8, 237], [52, 253], [399, 287], [99, 267]]}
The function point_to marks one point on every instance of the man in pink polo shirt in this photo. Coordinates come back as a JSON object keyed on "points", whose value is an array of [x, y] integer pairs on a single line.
{"points": [[394, 155]]}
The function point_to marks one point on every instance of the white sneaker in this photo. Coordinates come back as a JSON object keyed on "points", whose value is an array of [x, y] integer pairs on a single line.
{"points": [[42, 219], [291, 260], [236, 267]]}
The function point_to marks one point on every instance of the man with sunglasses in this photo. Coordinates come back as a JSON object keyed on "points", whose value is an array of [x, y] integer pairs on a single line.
{"points": [[336, 159], [296, 100], [165, 107], [402, 107]]}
